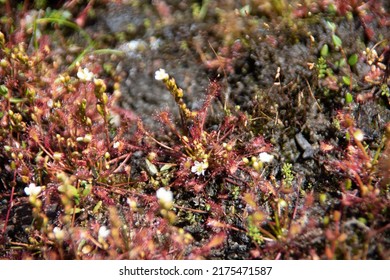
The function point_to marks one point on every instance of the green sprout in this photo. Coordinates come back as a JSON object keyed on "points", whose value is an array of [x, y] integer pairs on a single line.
{"points": [[287, 174]]}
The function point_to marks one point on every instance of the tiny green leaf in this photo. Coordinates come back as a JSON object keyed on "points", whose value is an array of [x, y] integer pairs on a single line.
{"points": [[348, 98], [336, 41], [325, 50], [17, 100], [167, 167], [74, 211], [340, 63], [346, 80], [97, 207], [72, 191], [87, 190], [151, 167], [3, 90], [332, 9], [353, 59], [332, 26], [348, 184], [244, 11]]}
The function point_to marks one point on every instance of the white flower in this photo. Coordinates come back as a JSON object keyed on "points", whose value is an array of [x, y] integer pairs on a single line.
{"points": [[161, 75], [115, 119], [136, 46], [58, 233], [165, 198], [85, 75], [116, 145], [132, 203], [358, 135], [32, 189], [265, 157], [199, 167], [104, 232]]}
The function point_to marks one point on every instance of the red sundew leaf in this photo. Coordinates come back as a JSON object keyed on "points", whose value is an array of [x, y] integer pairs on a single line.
{"points": [[258, 217], [44, 43], [250, 200], [103, 195], [34, 134], [258, 145], [164, 10], [216, 223], [342, 7], [127, 115], [267, 187], [309, 200], [233, 167], [300, 12], [216, 209], [350, 197], [369, 33], [255, 253], [237, 48], [217, 240], [82, 17], [143, 177], [272, 40], [198, 187], [191, 183], [330, 235], [325, 147], [80, 163], [258, 142], [254, 174]]}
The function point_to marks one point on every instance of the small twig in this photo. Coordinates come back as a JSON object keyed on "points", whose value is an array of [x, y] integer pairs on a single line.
{"points": [[226, 97], [190, 209], [123, 163], [296, 202], [10, 203], [161, 144], [312, 95]]}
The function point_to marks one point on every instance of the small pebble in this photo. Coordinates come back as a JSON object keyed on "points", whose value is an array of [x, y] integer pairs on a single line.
{"points": [[305, 146]]}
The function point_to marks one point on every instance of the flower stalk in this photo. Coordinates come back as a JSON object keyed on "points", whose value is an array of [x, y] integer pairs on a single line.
{"points": [[178, 93]]}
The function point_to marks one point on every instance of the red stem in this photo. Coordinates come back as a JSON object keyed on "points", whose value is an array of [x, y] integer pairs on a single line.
{"points": [[10, 203]]}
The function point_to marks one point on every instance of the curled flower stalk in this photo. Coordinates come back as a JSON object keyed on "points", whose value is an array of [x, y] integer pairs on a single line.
{"points": [[177, 93]]}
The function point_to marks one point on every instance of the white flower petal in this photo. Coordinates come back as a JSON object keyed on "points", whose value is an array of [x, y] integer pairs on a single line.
{"points": [[165, 198], [32, 189], [199, 168], [265, 157], [161, 75], [85, 75], [164, 195], [359, 135], [104, 232], [58, 233]]}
